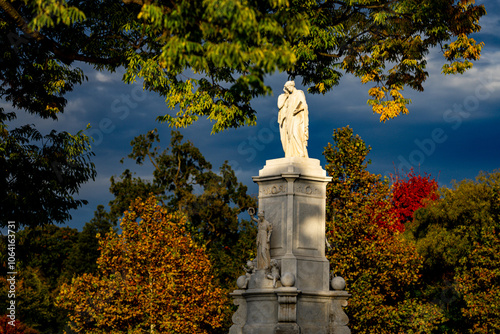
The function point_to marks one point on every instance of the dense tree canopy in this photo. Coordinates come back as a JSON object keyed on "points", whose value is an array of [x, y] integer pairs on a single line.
{"points": [[382, 269], [152, 278], [42, 174], [441, 275], [46, 257], [210, 58], [458, 236], [478, 282], [46, 248], [446, 230], [34, 303]]}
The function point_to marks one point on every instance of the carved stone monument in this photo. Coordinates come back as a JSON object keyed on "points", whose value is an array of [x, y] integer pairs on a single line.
{"points": [[289, 289]]}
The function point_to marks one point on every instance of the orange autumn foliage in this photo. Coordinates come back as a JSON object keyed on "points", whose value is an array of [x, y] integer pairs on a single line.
{"points": [[152, 278]]}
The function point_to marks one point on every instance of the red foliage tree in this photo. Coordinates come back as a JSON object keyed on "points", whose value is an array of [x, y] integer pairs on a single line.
{"points": [[18, 328], [410, 193]]}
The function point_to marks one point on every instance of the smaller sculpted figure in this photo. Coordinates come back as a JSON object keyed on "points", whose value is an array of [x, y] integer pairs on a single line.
{"points": [[293, 118], [264, 231], [249, 270], [275, 272]]}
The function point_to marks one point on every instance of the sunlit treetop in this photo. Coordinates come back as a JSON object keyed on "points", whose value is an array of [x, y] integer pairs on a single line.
{"points": [[209, 58]]}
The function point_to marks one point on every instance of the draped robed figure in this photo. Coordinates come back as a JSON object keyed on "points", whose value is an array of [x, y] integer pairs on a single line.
{"points": [[293, 118]]}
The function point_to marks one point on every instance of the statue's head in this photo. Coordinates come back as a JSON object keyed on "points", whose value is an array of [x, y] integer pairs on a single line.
{"points": [[289, 86], [260, 214]]}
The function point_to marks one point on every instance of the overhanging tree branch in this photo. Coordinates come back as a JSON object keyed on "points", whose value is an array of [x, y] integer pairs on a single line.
{"points": [[19, 20], [63, 54]]}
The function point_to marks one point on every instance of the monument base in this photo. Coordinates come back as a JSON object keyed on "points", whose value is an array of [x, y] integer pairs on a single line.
{"points": [[274, 311], [292, 197]]}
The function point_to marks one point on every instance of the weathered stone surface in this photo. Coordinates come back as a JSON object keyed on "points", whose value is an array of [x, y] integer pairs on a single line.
{"points": [[240, 316], [262, 311], [338, 318], [258, 280], [297, 211], [287, 328]]}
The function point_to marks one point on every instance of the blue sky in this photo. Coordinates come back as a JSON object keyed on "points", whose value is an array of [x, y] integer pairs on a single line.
{"points": [[451, 132]]}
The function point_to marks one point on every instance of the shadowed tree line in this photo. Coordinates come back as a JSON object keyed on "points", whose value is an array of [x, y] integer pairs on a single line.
{"points": [[183, 181]]}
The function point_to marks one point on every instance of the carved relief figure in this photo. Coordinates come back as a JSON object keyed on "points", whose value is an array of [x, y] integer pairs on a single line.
{"points": [[293, 118], [264, 231]]}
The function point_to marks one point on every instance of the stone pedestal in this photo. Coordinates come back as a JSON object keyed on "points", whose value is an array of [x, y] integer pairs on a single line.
{"points": [[292, 194]]}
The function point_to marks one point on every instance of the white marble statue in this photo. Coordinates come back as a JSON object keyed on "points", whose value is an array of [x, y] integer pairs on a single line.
{"points": [[293, 118], [264, 231]]}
